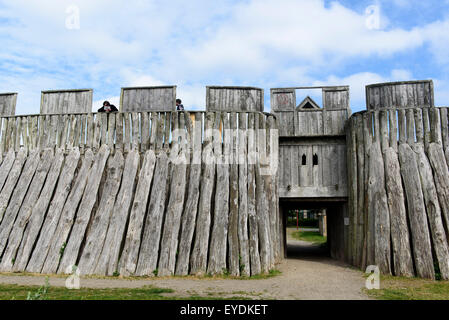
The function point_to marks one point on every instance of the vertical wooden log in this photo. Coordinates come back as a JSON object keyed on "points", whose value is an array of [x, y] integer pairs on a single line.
{"points": [[97, 132], [252, 217], [243, 196], [233, 234], [100, 222], [149, 248], [422, 250], [59, 219], [119, 132], [445, 132], [441, 176], [361, 168], [37, 214], [84, 133], [169, 242], [52, 218], [24, 133], [440, 244], [369, 221], [191, 206], [435, 124], [426, 122], [168, 122], [83, 213], [111, 132], [219, 233], [18, 134], [34, 132], [10, 183], [410, 127], [104, 128], [135, 131], [109, 258], [90, 131], [130, 254], [402, 257], [261, 202], [77, 133], [10, 134], [10, 209], [145, 132], [6, 167], [198, 259], [66, 133], [127, 134], [24, 214], [352, 190], [3, 144]]}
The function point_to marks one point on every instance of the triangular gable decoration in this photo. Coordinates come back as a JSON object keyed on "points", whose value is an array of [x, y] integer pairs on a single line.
{"points": [[308, 104]]}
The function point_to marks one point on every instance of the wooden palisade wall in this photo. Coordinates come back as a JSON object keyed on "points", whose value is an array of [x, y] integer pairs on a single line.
{"points": [[66, 101], [8, 103], [406, 94], [111, 193], [230, 99], [140, 99], [399, 190]]}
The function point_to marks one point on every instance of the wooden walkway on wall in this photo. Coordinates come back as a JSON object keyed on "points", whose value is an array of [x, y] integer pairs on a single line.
{"points": [[125, 192], [399, 189]]}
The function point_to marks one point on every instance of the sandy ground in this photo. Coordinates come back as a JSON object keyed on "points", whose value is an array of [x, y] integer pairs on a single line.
{"points": [[306, 274]]}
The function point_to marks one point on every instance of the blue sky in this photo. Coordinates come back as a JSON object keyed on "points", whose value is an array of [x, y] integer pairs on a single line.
{"points": [[263, 43]]}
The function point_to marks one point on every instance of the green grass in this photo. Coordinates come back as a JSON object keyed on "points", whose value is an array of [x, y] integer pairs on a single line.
{"points": [[314, 237], [225, 275], [16, 292], [399, 288]]}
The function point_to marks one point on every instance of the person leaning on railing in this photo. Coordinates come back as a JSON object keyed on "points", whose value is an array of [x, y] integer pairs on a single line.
{"points": [[179, 106], [107, 107]]}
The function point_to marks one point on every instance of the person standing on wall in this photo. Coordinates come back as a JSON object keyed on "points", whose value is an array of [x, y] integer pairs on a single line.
{"points": [[107, 107], [179, 106]]}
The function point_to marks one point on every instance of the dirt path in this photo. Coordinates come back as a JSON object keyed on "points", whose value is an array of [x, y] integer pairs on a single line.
{"points": [[307, 274]]}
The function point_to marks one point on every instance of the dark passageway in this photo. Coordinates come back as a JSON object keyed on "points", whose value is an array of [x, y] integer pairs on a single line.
{"points": [[333, 248]]}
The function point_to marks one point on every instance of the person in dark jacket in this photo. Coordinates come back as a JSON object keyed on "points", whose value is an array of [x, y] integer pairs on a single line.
{"points": [[179, 106], [107, 107]]}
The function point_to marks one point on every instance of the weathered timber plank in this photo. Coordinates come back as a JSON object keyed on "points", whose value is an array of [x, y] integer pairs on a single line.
{"points": [[10, 212], [6, 166], [252, 217], [61, 212], [233, 232], [352, 194], [26, 209], [191, 205], [169, 242], [84, 211], [402, 256], [149, 248], [219, 233], [10, 183], [439, 240], [130, 253], [100, 222], [243, 196], [39, 211], [441, 176], [422, 250], [198, 258], [109, 258]]}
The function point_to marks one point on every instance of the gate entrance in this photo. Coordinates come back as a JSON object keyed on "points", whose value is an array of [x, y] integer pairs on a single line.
{"points": [[333, 211]]}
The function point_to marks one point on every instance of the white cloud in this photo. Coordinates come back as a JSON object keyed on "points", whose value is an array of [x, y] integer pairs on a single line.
{"points": [[197, 43]]}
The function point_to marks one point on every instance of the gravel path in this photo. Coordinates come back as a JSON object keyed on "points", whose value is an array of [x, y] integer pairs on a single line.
{"points": [[306, 274]]}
